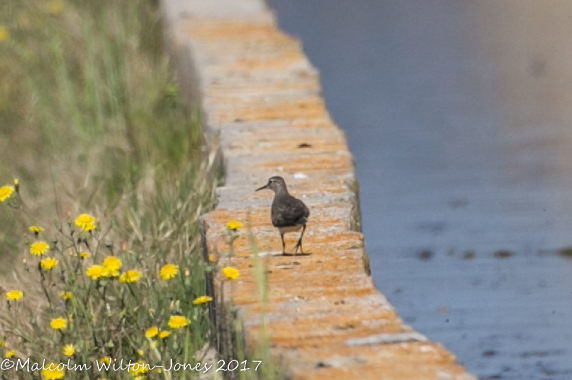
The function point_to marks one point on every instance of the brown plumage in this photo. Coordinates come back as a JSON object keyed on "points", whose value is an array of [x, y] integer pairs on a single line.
{"points": [[288, 214]]}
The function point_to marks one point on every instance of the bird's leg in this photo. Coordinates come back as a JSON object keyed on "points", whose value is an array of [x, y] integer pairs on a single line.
{"points": [[283, 244], [299, 244]]}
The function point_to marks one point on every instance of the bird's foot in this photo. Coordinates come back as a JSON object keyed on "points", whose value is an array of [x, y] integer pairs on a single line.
{"points": [[296, 248]]}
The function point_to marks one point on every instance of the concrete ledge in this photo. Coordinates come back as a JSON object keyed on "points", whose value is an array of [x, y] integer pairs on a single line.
{"points": [[258, 92]]}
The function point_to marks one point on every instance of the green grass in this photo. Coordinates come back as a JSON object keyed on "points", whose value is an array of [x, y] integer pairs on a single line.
{"points": [[92, 122], [90, 112]]}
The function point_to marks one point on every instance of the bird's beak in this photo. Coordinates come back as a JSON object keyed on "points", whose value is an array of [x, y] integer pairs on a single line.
{"points": [[262, 188]]}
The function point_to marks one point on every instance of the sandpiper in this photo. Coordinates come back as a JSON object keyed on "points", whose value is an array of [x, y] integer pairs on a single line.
{"points": [[288, 213]]}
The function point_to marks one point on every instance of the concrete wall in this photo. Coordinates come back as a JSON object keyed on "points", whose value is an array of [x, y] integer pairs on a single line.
{"points": [[259, 94]]}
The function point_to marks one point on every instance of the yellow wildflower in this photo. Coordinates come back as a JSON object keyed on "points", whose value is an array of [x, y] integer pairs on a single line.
{"points": [[84, 255], [48, 263], [109, 273], [140, 352], [14, 295], [5, 191], [55, 6], [138, 368], [169, 271], [164, 334], [3, 35], [69, 350], [230, 273], [58, 323], [202, 300], [66, 296], [86, 222], [212, 258], [10, 354], [178, 321], [130, 276], [112, 263], [152, 332], [95, 271], [35, 229], [39, 248], [233, 225], [52, 371], [105, 360]]}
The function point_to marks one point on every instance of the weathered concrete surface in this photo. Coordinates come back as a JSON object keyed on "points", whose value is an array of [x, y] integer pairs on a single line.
{"points": [[258, 91]]}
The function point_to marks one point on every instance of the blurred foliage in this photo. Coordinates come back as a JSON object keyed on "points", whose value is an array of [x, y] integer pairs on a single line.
{"points": [[91, 121], [89, 107]]}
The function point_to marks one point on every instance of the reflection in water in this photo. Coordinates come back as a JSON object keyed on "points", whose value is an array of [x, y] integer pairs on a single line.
{"points": [[459, 114]]}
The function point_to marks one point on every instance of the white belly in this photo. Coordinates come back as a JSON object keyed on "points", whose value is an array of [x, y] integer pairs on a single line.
{"points": [[284, 230]]}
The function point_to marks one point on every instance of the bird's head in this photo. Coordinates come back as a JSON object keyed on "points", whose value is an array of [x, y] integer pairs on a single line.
{"points": [[275, 184]]}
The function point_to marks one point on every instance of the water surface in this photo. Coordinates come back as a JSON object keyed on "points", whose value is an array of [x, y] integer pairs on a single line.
{"points": [[459, 115]]}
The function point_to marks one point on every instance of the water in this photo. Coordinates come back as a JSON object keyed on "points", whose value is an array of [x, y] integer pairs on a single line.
{"points": [[459, 115]]}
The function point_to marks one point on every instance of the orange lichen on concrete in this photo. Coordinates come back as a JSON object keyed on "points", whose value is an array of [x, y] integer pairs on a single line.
{"points": [[410, 360], [245, 30], [290, 108], [260, 95], [269, 242]]}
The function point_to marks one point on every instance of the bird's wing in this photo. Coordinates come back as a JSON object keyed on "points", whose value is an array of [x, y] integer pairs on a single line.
{"points": [[291, 213]]}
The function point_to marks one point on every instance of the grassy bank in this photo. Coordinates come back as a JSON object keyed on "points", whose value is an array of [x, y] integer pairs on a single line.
{"points": [[91, 124], [88, 103]]}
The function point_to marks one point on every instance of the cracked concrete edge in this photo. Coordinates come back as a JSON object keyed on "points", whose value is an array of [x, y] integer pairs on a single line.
{"points": [[259, 96]]}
